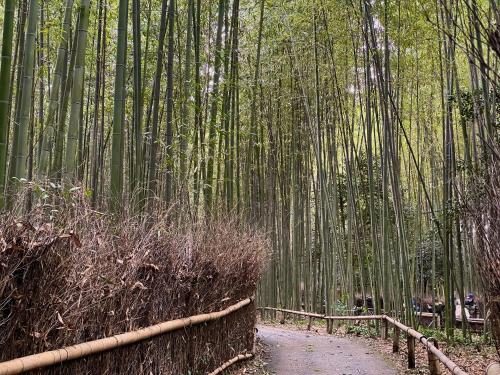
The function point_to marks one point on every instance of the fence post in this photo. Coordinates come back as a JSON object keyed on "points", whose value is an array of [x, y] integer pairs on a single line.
{"points": [[309, 325], [410, 340], [282, 317], [395, 339], [385, 329], [329, 326], [433, 361]]}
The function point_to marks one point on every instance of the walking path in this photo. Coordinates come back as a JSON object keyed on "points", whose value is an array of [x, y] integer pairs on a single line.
{"points": [[304, 353]]}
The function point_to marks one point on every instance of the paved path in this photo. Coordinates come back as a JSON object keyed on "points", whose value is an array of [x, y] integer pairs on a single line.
{"points": [[305, 353]]}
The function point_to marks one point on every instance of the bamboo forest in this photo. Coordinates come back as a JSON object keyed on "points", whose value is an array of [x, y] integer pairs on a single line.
{"points": [[344, 154]]}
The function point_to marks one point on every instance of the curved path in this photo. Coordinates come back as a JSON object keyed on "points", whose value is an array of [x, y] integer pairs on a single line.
{"points": [[304, 353]]}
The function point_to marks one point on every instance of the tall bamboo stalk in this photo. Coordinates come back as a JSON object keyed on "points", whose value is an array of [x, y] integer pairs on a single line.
{"points": [[119, 109], [26, 92], [5, 90]]}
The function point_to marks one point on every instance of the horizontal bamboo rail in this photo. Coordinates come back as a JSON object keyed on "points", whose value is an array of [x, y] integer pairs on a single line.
{"points": [[493, 369], [471, 320], [475, 324], [434, 354], [303, 313], [232, 361], [53, 357], [323, 316]]}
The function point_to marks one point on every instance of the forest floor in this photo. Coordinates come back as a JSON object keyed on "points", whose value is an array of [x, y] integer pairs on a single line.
{"points": [[291, 349]]}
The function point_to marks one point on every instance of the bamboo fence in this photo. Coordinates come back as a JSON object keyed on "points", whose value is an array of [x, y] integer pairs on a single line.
{"points": [[58, 356], [54, 357]]}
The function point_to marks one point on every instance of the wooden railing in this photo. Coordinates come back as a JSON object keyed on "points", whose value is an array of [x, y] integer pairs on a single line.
{"points": [[55, 357], [434, 355], [475, 324]]}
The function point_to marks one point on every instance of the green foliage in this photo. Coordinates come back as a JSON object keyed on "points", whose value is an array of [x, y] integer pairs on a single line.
{"points": [[360, 330]]}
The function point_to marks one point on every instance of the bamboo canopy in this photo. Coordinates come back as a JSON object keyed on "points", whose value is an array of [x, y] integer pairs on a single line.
{"points": [[360, 136]]}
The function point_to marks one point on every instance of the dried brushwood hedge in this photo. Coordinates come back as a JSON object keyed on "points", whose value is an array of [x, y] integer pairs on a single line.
{"points": [[73, 275], [485, 224]]}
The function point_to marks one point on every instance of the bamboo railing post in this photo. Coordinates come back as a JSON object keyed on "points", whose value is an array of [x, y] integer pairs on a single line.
{"points": [[385, 329], [433, 360], [395, 339], [331, 326], [410, 340], [309, 324]]}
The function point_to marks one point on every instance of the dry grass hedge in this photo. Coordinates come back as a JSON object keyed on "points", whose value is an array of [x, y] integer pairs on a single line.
{"points": [[75, 274]]}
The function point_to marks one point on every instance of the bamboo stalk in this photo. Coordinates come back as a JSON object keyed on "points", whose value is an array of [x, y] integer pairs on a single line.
{"points": [[116, 182], [5, 89], [35, 361]]}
